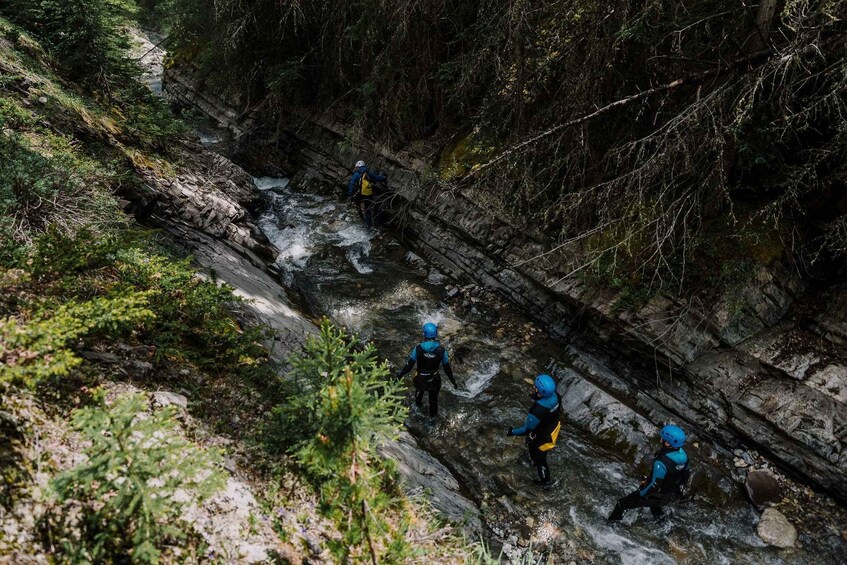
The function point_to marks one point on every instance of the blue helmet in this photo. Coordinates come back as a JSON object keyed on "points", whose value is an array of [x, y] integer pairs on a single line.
{"points": [[430, 330], [546, 385], [673, 435]]}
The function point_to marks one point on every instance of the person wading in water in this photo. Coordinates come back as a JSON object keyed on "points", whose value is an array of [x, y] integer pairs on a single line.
{"points": [[430, 356], [542, 426], [670, 473]]}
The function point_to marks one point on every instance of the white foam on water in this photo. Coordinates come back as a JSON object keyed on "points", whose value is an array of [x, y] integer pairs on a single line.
{"points": [[479, 380], [267, 183], [613, 473], [357, 238], [209, 138], [728, 530], [354, 255], [630, 552], [354, 234], [294, 244], [437, 317], [350, 316]]}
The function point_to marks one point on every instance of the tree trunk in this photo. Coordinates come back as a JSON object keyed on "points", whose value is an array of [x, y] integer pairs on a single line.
{"points": [[764, 22]]}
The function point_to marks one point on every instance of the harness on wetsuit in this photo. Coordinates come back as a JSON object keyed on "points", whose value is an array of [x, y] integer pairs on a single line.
{"points": [[677, 475], [429, 364], [546, 433]]}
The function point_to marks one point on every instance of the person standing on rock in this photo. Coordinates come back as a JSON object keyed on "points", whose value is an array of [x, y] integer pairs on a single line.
{"points": [[670, 473], [360, 190], [430, 356], [542, 426]]}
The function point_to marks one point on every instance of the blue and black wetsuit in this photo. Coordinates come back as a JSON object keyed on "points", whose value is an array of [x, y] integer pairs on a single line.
{"points": [[363, 202], [670, 473], [429, 356], [541, 428]]}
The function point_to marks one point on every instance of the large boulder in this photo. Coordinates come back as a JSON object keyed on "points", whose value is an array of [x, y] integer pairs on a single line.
{"points": [[775, 529]]}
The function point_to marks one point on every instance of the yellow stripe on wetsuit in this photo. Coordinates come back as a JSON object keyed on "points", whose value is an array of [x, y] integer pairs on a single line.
{"points": [[553, 438]]}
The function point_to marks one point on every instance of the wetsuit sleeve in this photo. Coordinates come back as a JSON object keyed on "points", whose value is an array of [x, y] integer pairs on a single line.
{"points": [[529, 424], [449, 372], [410, 362], [659, 472], [447, 369], [354, 180]]}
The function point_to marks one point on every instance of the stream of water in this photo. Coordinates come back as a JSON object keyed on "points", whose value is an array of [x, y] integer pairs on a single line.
{"points": [[358, 278]]}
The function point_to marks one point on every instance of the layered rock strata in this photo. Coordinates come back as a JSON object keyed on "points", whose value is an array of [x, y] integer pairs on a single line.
{"points": [[766, 366]]}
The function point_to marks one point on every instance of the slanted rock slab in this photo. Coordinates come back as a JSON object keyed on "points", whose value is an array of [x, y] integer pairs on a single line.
{"points": [[164, 398]]}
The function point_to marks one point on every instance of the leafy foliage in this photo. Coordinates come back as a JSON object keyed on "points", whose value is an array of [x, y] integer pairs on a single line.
{"points": [[72, 288], [41, 348], [86, 36], [346, 404], [634, 132], [130, 490], [193, 315]]}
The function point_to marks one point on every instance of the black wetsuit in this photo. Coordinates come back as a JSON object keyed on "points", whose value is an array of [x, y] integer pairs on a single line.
{"points": [[670, 473], [429, 356], [541, 437]]}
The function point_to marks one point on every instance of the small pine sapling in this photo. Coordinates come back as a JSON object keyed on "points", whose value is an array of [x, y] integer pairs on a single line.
{"points": [[125, 500]]}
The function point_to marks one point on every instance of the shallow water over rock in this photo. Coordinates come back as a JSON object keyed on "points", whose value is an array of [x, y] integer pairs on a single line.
{"points": [[365, 280]]}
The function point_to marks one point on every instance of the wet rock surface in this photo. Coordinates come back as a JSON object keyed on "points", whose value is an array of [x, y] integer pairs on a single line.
{"points": [[697, 372], [762, 486], [731, 371]]}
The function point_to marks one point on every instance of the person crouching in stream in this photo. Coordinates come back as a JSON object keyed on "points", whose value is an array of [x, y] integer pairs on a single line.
{"points": [[430, 356], [542, 426], [670, 474]]}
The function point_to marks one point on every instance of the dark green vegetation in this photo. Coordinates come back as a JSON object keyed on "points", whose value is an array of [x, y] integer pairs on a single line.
{"points": [[346, 404], [85, 292], [75, 275], [128, 484], [670, 145]]}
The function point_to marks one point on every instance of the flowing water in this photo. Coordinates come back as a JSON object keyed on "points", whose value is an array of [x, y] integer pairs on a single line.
{"points": [[358, 278]]}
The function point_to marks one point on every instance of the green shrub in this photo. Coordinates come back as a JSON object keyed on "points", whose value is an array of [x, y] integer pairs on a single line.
{"points": [[193, 315], [45, 180], [346, 405], [87, 37], [82, 287], [129, 488], [41, 347]]}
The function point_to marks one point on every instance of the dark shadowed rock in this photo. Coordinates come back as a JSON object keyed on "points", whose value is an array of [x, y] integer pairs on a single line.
{"points": [[98, 357], [762, 486]]}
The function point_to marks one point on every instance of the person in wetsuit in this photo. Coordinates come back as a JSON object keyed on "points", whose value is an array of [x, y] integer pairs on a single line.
{"points": [[360, 190], [430, 356], [670, 473], [542, 426]]}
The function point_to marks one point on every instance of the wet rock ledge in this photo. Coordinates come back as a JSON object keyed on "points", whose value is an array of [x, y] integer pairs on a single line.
{"points": [[766, 368]]}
